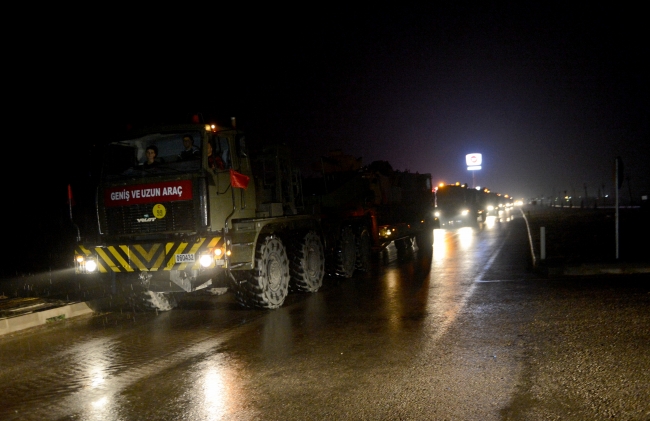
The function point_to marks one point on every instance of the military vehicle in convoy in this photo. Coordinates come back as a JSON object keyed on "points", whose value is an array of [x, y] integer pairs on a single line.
{"points": [[187, 207], [458, 206], [363, 209]]}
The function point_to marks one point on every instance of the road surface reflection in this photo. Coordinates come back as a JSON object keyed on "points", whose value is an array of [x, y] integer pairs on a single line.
{"points": [[210, 359]]}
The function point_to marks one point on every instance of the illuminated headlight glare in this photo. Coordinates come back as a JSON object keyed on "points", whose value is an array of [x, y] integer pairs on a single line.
{"points": [[490, 208], [91, 266], [437, 213], [385, 232], [205, 260], [465, 212]]}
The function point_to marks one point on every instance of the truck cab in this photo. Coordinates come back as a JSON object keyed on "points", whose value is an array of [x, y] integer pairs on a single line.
{"points": [[185, 207], [167, 219]]}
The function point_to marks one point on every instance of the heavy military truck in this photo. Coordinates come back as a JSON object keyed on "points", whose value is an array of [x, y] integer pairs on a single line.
{"points": [[193, 220], [492, 203], [458, 206], [363, 209]]}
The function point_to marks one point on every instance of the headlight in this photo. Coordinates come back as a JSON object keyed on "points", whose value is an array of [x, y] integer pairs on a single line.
{"points": [[436, 214], [212, 256], [91, 266], [490, 208], [205, 260], [465, 212], [85, 264], [385, 232]]}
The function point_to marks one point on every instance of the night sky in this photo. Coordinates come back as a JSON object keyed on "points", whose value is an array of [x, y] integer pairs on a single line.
{"points": [[549, 94]]}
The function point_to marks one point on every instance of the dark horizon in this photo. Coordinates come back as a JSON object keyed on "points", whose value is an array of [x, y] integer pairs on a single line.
{"points": [[549, 94]]}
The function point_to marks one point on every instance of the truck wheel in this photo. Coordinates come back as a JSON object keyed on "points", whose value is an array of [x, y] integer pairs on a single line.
{"points": [[346, 254], [424, 239], [307, 263], [267, 285], [363, 251], [402, 244]]}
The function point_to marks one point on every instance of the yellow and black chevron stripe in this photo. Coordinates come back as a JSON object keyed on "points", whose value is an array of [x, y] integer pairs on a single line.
{"points": [[148, 257]]}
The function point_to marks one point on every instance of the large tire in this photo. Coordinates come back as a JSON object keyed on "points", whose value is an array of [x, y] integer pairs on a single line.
{"points": [[267, 285], [346, 254], [363, 250], [424, 239], [307, 263], [402, 244]]}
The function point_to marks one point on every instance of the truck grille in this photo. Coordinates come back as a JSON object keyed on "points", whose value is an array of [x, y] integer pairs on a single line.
{"points": [[123, 220]]}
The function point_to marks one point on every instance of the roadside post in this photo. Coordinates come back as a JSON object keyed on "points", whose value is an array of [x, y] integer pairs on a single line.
{"points": [[618, 174]]}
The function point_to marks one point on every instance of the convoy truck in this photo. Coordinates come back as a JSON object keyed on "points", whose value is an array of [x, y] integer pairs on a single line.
{"points": [[363, 209], [458, 206], [493, 204], [227, 217]]}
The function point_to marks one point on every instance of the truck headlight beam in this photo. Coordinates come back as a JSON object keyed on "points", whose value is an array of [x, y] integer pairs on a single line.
{"points": [[91, 266], [206, 260]]}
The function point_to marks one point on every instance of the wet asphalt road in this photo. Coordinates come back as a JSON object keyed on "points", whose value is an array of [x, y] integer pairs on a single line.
{"points": [[467, 333]]}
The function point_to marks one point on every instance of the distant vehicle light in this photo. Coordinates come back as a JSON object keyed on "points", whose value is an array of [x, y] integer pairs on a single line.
{"points": [[490, 208], [465, 212], [385, 232]]}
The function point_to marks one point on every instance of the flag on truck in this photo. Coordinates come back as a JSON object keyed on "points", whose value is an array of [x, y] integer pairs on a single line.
{"points": [[70, 197], [238, 180]]}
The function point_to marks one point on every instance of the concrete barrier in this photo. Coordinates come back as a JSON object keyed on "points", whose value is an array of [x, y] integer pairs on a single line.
{"points": [[25, 321]]}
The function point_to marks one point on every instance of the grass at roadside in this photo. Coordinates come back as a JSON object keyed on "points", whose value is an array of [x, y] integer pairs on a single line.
{"points": [[583, 236]]}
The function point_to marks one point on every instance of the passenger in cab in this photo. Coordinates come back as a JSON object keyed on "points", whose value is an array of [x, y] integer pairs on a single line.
{"points": [[214, 161], [190, 151]]}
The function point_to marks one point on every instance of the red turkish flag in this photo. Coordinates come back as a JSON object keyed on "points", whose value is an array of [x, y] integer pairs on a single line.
{"points": [[238, 180]]}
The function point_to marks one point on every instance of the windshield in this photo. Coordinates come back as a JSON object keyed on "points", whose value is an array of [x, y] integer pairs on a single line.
{"points": [[451, 196], [156, 153]]}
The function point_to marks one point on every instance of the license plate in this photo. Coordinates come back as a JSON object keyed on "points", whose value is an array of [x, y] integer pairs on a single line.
{"points": [[219, 262], [185, 258]]}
